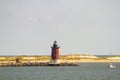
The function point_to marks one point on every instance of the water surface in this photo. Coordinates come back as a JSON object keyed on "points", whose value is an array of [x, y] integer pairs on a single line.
{"points": [[85, 71]]}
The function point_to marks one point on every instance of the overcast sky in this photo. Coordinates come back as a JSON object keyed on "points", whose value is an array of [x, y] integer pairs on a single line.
{"points": [[29, 27]]}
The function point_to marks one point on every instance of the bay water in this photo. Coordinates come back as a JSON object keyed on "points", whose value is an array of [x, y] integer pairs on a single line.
{"points": [[85, 71]]}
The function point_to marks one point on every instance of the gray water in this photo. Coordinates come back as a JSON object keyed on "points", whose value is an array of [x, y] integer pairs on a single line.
{"points": [[85, 71]]}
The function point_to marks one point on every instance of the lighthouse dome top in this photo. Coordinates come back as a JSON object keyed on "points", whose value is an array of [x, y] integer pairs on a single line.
{"points": [[55, 42], [55, 45]]}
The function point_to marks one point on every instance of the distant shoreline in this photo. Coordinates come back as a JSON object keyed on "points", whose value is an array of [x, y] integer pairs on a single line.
{"points": [[93, 61], [73, 58]]}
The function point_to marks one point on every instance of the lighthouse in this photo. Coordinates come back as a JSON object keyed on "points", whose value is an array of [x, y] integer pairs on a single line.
{"points": [[55, 57]]}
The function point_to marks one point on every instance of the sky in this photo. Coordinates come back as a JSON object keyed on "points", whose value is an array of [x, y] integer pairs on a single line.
{"points": [[29, 27]]}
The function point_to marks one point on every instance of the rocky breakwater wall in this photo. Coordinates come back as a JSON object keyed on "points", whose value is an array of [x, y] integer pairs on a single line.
{"points": [[35, 64]]}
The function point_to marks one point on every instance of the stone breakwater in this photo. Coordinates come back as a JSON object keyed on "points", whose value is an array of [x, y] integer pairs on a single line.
{"points": [[36, 64]]}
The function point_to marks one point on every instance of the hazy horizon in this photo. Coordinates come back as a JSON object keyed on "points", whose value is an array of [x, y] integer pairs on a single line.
{"points": [[29, 27]]}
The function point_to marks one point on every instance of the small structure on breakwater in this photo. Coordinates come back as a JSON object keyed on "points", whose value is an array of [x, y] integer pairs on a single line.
{"points": [[55, 57]]}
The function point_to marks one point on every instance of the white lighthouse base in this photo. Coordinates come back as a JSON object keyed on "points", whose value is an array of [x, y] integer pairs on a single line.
{"points": [[54, 62]]}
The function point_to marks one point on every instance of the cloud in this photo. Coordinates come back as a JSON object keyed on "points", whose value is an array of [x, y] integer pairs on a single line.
{"points": [[31, 19]]}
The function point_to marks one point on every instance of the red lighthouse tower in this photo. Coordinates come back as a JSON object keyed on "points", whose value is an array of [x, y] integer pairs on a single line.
{"points": [[55, 58]]}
